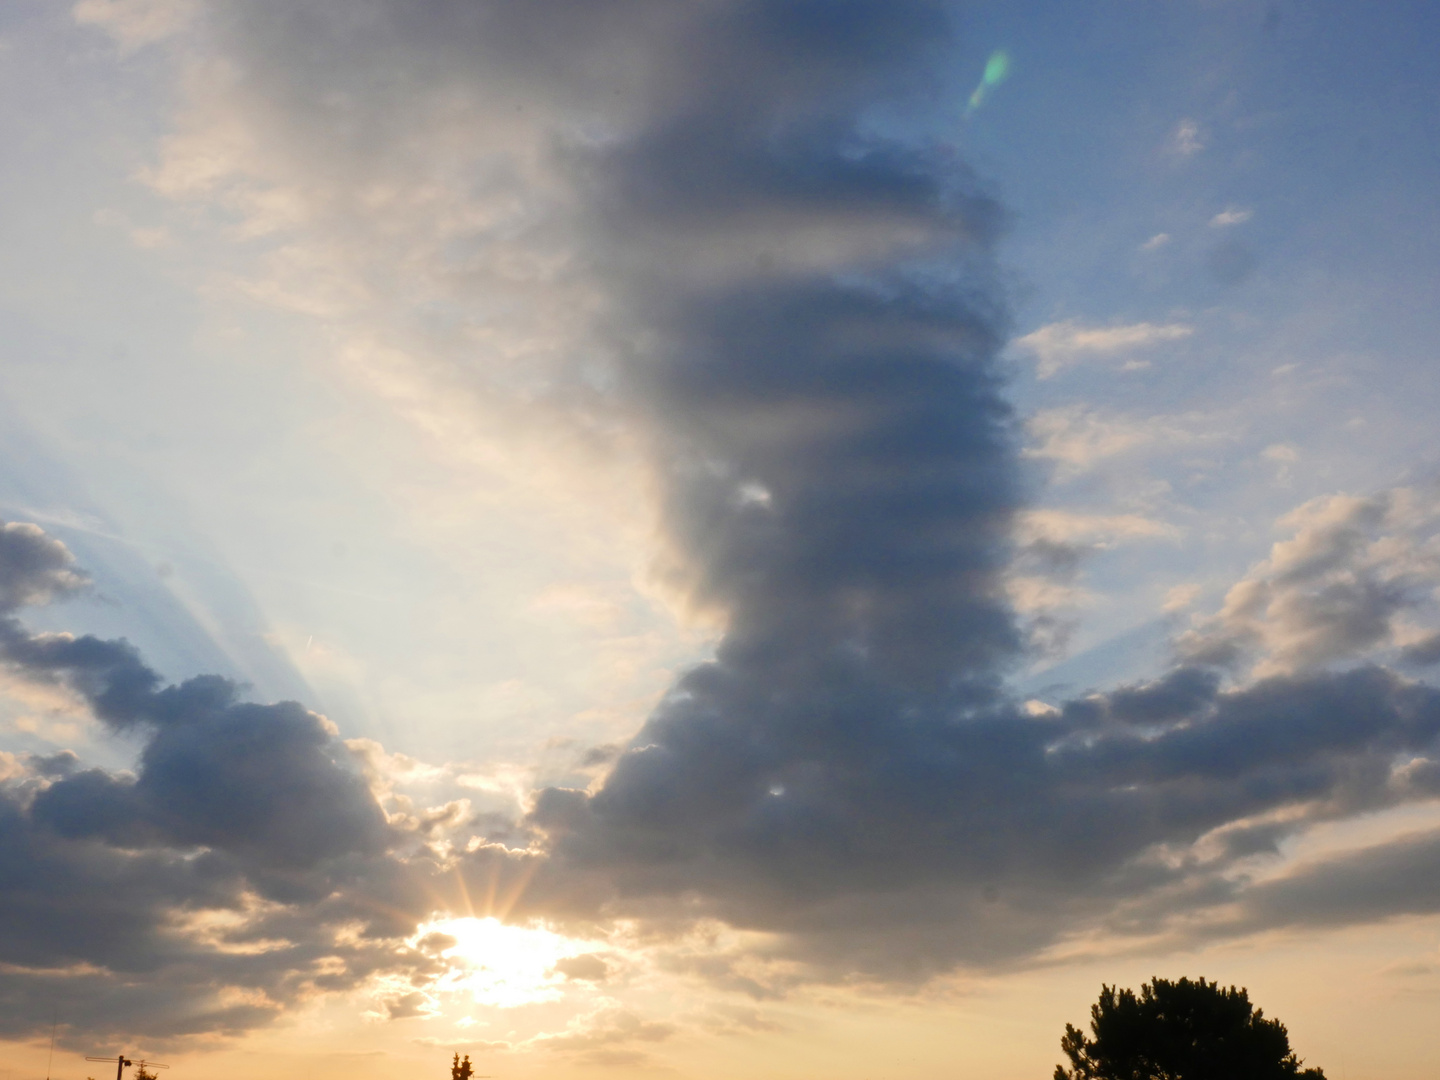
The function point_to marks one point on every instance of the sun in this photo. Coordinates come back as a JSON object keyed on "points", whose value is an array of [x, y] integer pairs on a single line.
{"points": [[496, 963]]}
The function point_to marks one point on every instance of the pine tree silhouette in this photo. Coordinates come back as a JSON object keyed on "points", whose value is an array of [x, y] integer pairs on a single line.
{"points": [[1182, 1030]]}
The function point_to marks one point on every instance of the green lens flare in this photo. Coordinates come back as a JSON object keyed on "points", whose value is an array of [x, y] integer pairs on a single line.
{"points": [[997, 67]]}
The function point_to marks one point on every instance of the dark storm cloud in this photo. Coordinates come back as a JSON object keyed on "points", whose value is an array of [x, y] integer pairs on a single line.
{"points": [[924, 840], [802, 305], [840, 479]]}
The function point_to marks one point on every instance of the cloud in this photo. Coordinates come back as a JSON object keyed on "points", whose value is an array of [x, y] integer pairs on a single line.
{"points": [[1059, 345], [1338, 589], [587, 967], [1180, 597], [1233, 215], [210, 889], [1103, 530], [34, 568], [1392, 878], [1079, 437], [1382, 881], [1423, 652], [1186, 140], [135, 23], [605, 1029], [902, 850], [1281, 454]]}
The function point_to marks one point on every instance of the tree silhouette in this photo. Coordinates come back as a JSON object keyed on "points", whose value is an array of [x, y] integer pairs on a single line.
{"points": [[461, 1070], [1179, 1030]]}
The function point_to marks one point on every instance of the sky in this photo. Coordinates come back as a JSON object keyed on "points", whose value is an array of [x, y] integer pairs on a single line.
{"points": [[695, 537]]}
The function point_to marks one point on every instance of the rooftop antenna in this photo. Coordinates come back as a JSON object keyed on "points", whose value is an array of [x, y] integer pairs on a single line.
{"points": [[54, 1023]]}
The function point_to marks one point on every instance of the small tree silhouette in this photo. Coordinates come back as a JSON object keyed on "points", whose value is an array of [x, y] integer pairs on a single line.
{"points": [[461, 1070], [142, 1073], [1179, 1031]]}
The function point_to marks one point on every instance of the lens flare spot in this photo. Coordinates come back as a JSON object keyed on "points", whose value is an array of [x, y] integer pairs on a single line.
{"points": [[996, 69]]}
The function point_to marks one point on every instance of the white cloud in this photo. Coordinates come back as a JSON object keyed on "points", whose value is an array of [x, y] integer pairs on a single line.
{"points": [[1099, 530], [1281, 454], [1032, 594], [1059, 344], [1180, 597], [1186, 140], [1231, 215], [1156, 242], [1077, 437]]}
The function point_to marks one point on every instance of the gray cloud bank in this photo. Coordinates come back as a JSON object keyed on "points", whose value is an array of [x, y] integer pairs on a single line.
{"points": [[115, 889], [800, 307]]}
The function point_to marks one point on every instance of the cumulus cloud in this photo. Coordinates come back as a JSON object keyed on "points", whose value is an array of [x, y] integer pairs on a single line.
{"points": [[1061, 344], [1340, 588]]}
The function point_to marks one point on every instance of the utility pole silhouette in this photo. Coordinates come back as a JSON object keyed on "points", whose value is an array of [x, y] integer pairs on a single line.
{"points": [[142, 1072], [120, 1062]]}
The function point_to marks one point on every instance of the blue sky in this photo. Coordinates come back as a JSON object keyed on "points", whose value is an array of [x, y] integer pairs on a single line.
{"points": [[486, 380]]}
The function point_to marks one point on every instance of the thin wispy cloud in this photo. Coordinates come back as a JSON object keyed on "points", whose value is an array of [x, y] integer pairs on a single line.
{"points": [[1059, 345], [1233, 215], [1079, 437], [1186, 139], [136, 23]]}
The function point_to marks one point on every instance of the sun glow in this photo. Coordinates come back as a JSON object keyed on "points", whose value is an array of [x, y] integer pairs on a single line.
{"points": [[498, 964]]}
